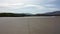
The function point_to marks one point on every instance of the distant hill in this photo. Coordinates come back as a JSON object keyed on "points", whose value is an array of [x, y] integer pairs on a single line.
{"points": [[15, 14], [55, 13]]}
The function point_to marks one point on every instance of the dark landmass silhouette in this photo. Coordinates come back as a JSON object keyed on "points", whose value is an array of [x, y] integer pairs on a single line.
{"points": [[55, 13], [14, 14]]}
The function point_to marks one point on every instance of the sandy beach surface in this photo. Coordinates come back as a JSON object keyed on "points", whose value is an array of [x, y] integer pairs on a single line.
{"points": [[30, 25]]}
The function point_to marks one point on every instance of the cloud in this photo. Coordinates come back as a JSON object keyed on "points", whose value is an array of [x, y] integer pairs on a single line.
{"points": [[54, 9], [32, 9], [9, 4], [37, 6], [32, 6]]}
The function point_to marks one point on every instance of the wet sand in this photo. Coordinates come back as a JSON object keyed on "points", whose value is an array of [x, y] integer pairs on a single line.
{"points": [[30, 25]]}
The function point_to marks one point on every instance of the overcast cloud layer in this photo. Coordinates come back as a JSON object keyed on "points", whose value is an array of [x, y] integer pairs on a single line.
{"points": [[29, 6]]}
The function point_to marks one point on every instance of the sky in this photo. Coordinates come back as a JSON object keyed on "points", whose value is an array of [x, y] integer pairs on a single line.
{"points": [[29, 6]]}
